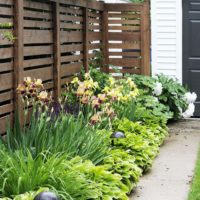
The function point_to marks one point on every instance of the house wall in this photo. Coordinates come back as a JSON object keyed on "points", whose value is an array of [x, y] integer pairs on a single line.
{"points": [[166, 25]]}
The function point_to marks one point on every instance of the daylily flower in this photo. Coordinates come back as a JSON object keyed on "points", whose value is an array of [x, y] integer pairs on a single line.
{"points": [[89, 93], [111, 81], [75, 80]]}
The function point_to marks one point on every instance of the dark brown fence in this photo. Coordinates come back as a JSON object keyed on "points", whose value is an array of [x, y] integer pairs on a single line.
{"points": [[54, 39]]}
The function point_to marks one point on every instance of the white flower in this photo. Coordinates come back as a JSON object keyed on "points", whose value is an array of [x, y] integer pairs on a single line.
{"points": [[156, 99], [190, 97], [158, 89], [190, 111]]}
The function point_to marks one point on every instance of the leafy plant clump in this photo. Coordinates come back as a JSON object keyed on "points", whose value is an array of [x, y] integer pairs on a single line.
{"points": [[170, 93], [69, 146]]}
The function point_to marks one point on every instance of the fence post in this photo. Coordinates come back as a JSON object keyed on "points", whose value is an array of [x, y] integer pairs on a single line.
{"points": [[85, 39], [57, 51], [18, 54], [105, 42], [145, 39]]}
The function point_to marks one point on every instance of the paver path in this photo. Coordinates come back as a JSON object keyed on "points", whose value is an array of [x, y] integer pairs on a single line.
{"points": [[173, 169]]}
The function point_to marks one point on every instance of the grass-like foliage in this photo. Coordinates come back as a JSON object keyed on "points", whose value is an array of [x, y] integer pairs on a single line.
{"points": [[65, 133]]}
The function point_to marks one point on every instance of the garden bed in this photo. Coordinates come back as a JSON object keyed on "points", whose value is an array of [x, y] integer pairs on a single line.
{"points": [[94, 142]]}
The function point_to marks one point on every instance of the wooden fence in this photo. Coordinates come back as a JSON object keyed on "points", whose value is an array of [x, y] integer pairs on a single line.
{"points": [[54, 39]]}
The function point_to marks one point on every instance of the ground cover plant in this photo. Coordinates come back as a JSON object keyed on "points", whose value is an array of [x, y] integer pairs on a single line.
{"points": [[94, 142], [194, 191]]}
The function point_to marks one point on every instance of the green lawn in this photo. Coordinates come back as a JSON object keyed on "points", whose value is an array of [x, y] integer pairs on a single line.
{"points": [[195, 189]]}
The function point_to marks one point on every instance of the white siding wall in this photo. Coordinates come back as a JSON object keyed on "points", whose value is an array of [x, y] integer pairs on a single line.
{"points": [[166, 19]]}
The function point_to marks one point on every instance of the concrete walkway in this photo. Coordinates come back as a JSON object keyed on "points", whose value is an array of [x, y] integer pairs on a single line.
{"points": [[173, 169]]}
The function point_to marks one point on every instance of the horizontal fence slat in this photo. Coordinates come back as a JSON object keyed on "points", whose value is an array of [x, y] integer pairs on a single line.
{"points": [[124, 36], [42, 73], [124, 7], [6, 108], [6, 66], [124, 22], [70, 69], [38, 50], [124, 28], [71, 58], [126, 62], [6, 96], [37, 62], [71, 47], [38, 36], [6, 81], [37, 5], [126, 71], [125, 46], [71, 36]]}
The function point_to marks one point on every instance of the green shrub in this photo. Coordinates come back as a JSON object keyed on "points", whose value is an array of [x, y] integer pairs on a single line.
{"points": [[141, 142], [171, 93], [121, 162]]}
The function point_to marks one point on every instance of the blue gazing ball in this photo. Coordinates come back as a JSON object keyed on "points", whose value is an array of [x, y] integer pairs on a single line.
{"points": [[46, 196], [117, 135]]}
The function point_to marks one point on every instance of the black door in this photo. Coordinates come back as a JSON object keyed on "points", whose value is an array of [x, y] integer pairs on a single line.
{"points": [[191, 47]]}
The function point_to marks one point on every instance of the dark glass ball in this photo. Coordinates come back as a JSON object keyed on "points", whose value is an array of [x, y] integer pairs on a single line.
{"points": [[117, 135], [46, 196]]}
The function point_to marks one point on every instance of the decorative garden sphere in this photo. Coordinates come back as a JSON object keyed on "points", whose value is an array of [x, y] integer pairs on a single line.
{"points": [[46, 196], [117, 134]]}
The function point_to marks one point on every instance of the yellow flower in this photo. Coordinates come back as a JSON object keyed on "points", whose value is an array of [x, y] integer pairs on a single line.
{"points": [[84, 100], [132, 84], [75, 80], [95, 102], [43, 95], [112, 93], [89, 84], [129, 80], [134, 93], [106, 89], [28, 80], [87, 75], [21, 88], [38, 83], [89, 93], [102, 98], [96, 85], [94, 119], [111, 80], [80, 91]]}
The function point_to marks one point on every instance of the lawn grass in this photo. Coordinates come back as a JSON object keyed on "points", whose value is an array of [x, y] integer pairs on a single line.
{"points": [[195, 189]]}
